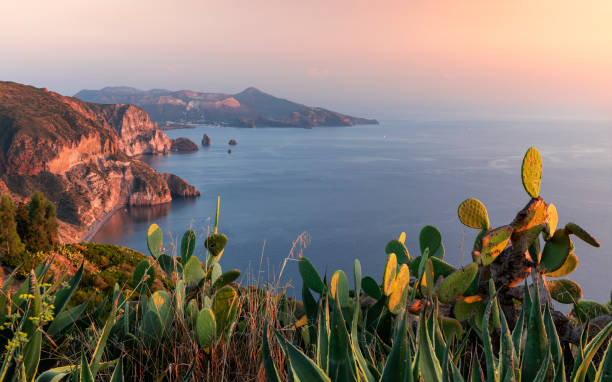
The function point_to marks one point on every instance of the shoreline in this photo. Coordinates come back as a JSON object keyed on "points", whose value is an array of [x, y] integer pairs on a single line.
{"points": [[98, 224]]}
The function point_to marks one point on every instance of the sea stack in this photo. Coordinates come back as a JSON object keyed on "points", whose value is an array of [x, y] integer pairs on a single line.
{"points": [[205, 140], [233, 142], [183, 144]]}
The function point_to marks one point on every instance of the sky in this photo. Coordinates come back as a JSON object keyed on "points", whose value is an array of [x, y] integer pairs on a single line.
{"points": [[415, 59]]}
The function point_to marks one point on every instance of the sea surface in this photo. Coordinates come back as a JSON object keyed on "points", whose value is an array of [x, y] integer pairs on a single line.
{"points": [[345, 192]]}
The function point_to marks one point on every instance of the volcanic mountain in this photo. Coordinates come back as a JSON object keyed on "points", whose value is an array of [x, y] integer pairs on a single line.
{"points": [[249, 108]]}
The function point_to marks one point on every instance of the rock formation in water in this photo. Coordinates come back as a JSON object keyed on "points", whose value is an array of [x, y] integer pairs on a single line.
{"points": [[205, 140], [249, 108], [183, 144], [80, 155], [232, 142]]}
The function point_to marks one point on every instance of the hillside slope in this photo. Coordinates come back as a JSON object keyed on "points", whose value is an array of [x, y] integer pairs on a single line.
{"points": [[80, 155], [249, 108]]}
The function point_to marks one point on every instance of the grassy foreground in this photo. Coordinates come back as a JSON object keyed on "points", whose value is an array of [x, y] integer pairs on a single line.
{"points": [[101, 312]]}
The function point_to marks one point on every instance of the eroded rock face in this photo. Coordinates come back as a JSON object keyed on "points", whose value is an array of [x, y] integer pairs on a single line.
{"points": [[80, 156], [183, 145]]}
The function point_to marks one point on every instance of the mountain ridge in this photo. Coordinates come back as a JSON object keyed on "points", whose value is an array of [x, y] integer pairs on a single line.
{"points": [[248, 108]]}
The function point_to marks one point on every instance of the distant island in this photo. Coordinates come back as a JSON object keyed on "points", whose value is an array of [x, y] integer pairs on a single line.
{"points": [[82, 156], [249, 108]]}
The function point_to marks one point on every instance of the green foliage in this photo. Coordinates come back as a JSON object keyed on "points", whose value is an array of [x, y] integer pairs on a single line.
{"points": [[37, 223], [11, 247], [215, 243]]}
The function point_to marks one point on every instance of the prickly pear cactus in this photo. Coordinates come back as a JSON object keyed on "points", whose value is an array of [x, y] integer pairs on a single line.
{"points": [[187, 245], [569, 266], [397, 299], [564, 291], [389, 278], [155, 240], [400, 250], [206, 328], [430, 238], [531, 172], [556, 251], [339, 288], [310, 276], [473, 214], [575, 229], [455, 285], [493, 243], [215, 244]]}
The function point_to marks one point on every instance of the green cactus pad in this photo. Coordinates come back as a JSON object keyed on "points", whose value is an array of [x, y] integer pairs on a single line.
{"points": [[575, 229], [206, 328], [400, 250], [473, 214], [531, 172], [215, 244], [143, 268], [191, 312], [193, 272], [556, 251], [586, 310], [339, 288], [451, 328], [441, 267], [155, 240], [166, 263], [215, 272], [225, 279], [310, 276], [152, 327], [570, 265], [389, 275], [493, 243], [371, 287], [187, 245], [222, 307], [429, 279], [465, 307], [457, 283], [161, 303], [565, 291], [552, 219], [430, 238]]}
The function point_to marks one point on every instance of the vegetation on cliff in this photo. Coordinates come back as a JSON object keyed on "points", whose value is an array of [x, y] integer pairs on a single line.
{"points": [[425, 320]]}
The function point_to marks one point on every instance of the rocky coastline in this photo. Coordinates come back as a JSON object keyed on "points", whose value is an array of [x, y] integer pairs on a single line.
{"points": [[82, 156]]}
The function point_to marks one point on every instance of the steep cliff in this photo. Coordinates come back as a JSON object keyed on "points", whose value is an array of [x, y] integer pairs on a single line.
{"points": [[80, 155]]}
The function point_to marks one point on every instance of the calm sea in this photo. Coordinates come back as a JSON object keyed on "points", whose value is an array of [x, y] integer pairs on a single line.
{"points": [[353, 189]]}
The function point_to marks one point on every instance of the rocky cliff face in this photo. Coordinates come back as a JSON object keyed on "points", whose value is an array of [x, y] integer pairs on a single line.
{"points": [[80, 155]]}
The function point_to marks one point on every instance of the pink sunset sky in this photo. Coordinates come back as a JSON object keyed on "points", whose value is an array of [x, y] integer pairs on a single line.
{"points": [[387, 59]]}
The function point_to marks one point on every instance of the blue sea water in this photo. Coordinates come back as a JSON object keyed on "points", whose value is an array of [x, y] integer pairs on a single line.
{"points": [[353, 189]]}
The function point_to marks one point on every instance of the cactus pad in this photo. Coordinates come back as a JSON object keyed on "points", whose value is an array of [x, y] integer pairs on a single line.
{"points": [[565, 291], [441, 267], [586, 310], [193, 272], [389, 275], [155, 240], [451, 328], [339, 288], [457, 283], [371, 287], [400, 250], [215, 244], [430, 238], [575, 229], [222, 305], [493, 243], [166, 263], [206, 328], [531, 172], [187, 245], [400, 287], [473, 214], [310, 276], [570, 265], [225, 279], [141, 270], [552, 219], [465, 307], [402, 238], [556, 251]]}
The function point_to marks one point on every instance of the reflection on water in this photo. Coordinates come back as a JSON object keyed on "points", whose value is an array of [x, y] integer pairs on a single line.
{"points": [[129, 220]]}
